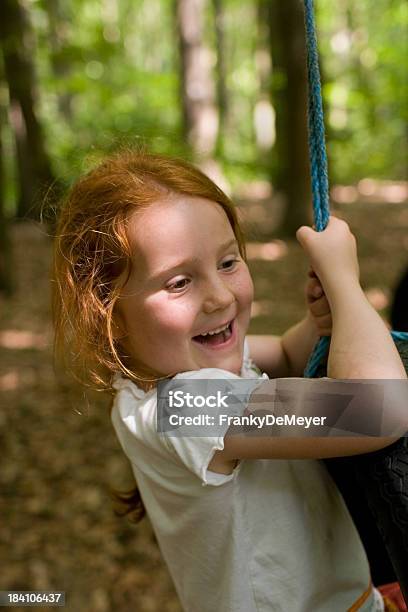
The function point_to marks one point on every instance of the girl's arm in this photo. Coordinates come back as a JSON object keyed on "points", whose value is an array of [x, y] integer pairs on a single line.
{"points": [[361, 348], [287, 355], [268, 354], [361, 345]]}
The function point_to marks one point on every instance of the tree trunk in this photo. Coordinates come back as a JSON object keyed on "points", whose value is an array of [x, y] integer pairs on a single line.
{"points": [[222, 91], [58, 29], [264, 113], [362, 75], [200, 119], [289, 95], [6, 280], [34, 170]]}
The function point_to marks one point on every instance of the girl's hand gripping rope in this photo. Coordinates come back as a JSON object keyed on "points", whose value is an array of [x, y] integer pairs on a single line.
{"points": [[318, 305], [333, 257]]}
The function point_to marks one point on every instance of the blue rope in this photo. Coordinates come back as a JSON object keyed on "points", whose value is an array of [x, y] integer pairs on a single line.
{"points": [[317, 146], [318, 164]]}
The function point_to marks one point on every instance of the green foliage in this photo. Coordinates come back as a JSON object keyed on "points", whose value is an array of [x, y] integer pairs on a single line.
{"points": [[117, 63], [364, 46], [121, 80]]}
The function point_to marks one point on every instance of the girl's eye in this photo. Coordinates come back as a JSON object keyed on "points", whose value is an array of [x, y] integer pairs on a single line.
{"points": [[227, 265], [179, 285]]}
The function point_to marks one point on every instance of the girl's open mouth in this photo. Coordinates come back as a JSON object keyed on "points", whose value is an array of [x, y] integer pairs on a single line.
{"points": [[220, 340]]}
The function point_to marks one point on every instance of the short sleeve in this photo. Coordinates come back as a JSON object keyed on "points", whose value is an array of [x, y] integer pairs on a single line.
{"points": [[196, 452]]}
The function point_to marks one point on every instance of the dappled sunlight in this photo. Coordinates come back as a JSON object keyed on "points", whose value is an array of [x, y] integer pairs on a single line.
{"points": [[377, 298], [209, 82], [214, 171], [257, 190], [267, 251], [20, 339], [371, 190], [264, 124], [9, 381]]}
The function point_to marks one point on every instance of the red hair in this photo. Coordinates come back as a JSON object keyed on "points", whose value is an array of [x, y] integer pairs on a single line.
{"points": [[92, 260]]}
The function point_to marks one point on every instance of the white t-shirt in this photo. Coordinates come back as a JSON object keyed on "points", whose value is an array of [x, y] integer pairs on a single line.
{"points": [[275, 535]]}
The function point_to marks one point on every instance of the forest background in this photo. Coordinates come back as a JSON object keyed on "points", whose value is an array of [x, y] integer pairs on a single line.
{"points": [[222, 83]]}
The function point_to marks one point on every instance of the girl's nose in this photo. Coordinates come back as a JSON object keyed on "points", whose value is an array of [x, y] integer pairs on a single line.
{"points": [[218, 296]]}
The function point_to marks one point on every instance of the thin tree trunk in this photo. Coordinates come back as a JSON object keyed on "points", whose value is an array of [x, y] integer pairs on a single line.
{"points": [[289, 94], [222, 91], [200, 117], [264, 113], [6, 280], [34, 168], [362, 75], [58, 29]]}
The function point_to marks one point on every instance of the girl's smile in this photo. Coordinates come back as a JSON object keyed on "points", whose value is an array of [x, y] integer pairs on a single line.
{"points": [[222, 337], [187, 302]]}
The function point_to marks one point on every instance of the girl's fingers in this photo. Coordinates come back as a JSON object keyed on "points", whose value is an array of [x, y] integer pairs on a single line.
{"points": [[320, 307], [325, 321], [325, 332], [324, 325], [314, 290]]}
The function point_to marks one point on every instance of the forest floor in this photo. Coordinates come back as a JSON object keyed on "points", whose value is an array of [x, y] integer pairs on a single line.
{"points": [[58, 530]]}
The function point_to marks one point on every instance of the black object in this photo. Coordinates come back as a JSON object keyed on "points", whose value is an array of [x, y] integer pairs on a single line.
{"points": [[375, 489], [399, 308]]}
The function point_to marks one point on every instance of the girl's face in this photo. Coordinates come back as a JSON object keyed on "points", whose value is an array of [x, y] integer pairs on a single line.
{"points": [[187, 279]]}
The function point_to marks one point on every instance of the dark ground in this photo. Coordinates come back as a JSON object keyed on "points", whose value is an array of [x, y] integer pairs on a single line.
{"points": [[59, 453]]}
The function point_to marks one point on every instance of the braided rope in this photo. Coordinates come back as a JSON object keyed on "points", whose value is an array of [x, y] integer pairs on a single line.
{"points": [[318, 163], [317, 146], [318, 157]]}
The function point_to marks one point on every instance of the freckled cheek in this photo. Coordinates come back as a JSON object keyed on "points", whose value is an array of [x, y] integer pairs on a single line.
{"points": [[171, 317], [245, 288]]}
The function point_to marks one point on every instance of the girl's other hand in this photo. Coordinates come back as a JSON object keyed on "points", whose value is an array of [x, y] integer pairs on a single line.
{"points": [[318, 305]]}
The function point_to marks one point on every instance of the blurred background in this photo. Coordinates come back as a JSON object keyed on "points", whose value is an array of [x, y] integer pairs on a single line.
{"points": [[219, 82]]}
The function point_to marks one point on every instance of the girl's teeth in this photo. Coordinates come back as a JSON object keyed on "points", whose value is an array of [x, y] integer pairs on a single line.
{"points": [[217, 331], [215, 338]]}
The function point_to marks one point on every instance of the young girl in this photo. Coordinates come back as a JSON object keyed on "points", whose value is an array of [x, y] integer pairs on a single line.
{"points": [[151, 283]]}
